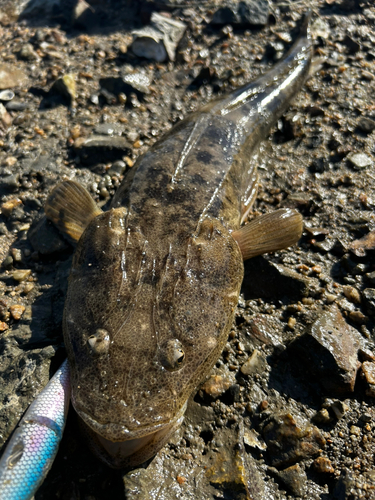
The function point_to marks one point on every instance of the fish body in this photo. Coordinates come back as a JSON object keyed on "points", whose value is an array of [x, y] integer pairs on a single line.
{"points": [[155, 280]]}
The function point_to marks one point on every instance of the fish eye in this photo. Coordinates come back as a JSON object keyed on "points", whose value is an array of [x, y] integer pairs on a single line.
{"points": [[172, 355], [99, 342]]}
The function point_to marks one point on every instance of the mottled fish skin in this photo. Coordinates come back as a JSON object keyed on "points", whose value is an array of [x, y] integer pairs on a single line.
{"points": [[155, 280], [30, 453]]}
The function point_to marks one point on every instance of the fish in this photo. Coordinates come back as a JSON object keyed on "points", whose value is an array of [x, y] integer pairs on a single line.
{"points": [[155, 279]]}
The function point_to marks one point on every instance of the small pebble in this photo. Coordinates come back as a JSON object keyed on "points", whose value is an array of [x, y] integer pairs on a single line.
{"points": [[292, 322], [323, 465], [360, 160], [322, 417], [352, 294], [21, 274], [128, 161], [16, 311], [16, 254], [8, 206], [354, 429], [8, 262], [3, 326], [28, 288]]}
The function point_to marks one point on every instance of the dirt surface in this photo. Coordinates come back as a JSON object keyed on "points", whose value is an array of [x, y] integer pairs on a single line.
{"points": [[288, 411]]}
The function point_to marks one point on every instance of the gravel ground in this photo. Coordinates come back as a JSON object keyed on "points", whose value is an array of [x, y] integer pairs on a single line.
{"points": [[288, 411]]}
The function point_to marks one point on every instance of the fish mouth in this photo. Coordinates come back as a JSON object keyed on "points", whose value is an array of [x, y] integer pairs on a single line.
{"points": [[128, 448]]}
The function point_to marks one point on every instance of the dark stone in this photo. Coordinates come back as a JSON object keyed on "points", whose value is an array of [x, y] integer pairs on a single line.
{"points": [[329, 348], [246, 13], [351, 44], [344, 486], [158, 40], [10, 182], [366, 124], [269, 280], [291, 439], [264, 329], [369, 298], [294, 478], [319, 165], [16, 106]]}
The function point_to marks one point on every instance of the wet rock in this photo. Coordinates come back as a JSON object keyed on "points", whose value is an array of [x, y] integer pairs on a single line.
{"points": [[5, 118], [159, 40], [216, 385], [11, 77], [323, 465], [344, 486], [28, 53], [269, 280], [361, 246], [252, 439], [66, 86], [329, 347], [223, 464], [337, 407], [352, 294], [321, 417], [22, 376], [371, 278], [148, 43], [247, 13], [232, 469], [10, 182], [369, 300], [290, 439], [264, 329], [368, 373], [366, 124], [255, 364], [100, 148], [294, 478], [46, 239], [360, 160]]}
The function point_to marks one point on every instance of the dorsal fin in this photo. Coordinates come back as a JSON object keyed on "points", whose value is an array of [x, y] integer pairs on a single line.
{"points": [[71, 208], [269, 232]]}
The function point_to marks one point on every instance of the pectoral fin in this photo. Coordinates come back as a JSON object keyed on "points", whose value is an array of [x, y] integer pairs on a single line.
{"points": [[269, 232], [70, 207]]}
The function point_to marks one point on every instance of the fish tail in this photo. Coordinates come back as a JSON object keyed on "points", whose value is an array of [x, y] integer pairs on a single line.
{"points": [[261, 102]]}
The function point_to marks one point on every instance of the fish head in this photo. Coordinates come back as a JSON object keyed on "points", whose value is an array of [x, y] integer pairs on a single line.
{"points": [[144, 322]]}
